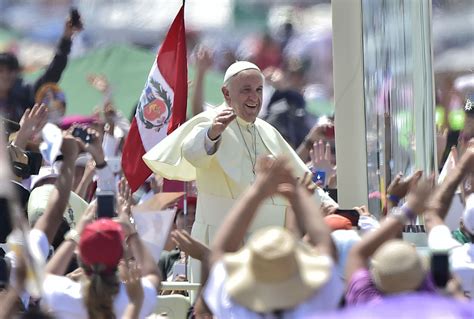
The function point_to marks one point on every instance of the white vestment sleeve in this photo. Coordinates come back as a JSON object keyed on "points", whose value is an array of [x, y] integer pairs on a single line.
{"points": [[198, 148]]}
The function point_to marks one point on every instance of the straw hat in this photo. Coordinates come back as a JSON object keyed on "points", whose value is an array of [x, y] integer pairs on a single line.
{"points": [[238, 67], [397, 267], [274, 271]]}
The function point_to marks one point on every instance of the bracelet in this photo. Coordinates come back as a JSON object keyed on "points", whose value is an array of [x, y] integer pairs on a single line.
{"points": [[394, 199], [100, 166]]}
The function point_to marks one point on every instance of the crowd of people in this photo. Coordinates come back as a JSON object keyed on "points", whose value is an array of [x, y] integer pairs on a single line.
{"points": [[262, 234]]}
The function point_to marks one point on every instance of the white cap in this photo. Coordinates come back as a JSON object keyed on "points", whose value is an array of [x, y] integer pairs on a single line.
{"points": [[238, 67], [468, 214]]}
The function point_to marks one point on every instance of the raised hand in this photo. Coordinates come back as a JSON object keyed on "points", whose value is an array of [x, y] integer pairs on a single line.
{"points": [[275, 176], [321, 159], [399, 187], [31, 123], [94, 147], [124, 198], [220, 123], [124, 207], [320, 132], [99, 82], [204, 59], [419, 193], [70, 29], [189, 245]]}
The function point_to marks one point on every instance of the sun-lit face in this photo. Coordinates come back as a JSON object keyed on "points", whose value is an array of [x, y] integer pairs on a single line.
{"points": [[244, 94]]}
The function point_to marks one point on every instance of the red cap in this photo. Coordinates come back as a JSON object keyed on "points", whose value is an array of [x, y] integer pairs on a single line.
{"points": [[336, 222], [102, 243]]}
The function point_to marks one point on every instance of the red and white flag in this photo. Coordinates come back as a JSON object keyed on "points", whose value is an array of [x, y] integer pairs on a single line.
{"points": [[162, 105]]}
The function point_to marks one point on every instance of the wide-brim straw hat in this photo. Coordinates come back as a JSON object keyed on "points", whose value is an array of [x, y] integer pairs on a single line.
{"points": [[397, 267], [274, 271]]}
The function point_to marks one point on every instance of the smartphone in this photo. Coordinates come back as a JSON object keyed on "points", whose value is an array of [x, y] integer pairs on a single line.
{"points": [[75, 17], [105, 204], [350, 214], [440, 268], [82, 134], [319, 177]]}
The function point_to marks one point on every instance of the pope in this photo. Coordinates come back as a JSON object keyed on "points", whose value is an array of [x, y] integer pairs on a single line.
{"points": [[219, 148]]}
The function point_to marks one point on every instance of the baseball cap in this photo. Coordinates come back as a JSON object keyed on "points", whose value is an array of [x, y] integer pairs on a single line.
{"points": [[101, 245]]}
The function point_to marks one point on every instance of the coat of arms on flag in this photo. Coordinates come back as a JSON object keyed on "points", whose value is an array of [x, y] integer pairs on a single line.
{"points": [[154, 109]]}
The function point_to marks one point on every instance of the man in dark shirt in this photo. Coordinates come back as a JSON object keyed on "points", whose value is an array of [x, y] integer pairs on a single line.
{"points": [[15, 94]]}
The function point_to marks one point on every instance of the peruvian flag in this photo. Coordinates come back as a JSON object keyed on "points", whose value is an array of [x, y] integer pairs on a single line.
{"points": [[162, 105]]}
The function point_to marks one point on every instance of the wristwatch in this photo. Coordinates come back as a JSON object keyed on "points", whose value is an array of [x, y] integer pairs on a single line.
{"points": [[73, 235]]}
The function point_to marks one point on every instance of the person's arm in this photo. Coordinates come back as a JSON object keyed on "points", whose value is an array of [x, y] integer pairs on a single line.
{"points": [[203, 63], [31, 123], [398, 188], [58, 64], [49, 222], [231, 234], [9, 299], [189, 245], [362, 251], [87, 177], [439, 205], [105, 176], [316, 133], [130, 275], [311, 221], [58, 264], [144, 260]]}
